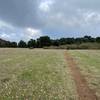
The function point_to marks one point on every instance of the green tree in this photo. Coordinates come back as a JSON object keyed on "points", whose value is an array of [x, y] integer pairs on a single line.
{"points": [[44, 41], [22, 44], [31, 43], [98, 39], [55, 42], [13, 44]]}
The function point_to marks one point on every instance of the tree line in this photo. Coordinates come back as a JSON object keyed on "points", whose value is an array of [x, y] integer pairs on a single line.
{"points": [[46, 41]]}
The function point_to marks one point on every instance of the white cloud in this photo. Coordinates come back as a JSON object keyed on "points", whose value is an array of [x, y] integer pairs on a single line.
{"points": [[88, 17], [9, 37], [4, 36], [4, 24], [45, 5], [92, 17], [9, 32], [32, 33]]}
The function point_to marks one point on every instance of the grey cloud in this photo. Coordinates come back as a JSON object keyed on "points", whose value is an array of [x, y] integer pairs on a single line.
{"points": [[20, 12], [64, 16], [88, 4], [25, 13]]}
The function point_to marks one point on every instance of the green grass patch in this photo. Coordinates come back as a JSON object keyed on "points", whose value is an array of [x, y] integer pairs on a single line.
{"points": [[35, 75]]}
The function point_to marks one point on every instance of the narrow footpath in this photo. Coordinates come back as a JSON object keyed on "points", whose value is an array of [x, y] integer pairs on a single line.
{"points": [[83, 90]]}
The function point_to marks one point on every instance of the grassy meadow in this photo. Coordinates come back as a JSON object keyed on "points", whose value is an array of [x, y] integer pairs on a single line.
{"points": [[35, 74], [40, 74]]}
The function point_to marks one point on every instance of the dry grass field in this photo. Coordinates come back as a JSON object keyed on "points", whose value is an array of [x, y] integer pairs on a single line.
{"points": [[35, 75], [39, 74]]}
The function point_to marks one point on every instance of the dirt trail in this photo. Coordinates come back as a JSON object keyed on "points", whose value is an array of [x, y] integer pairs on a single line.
{"points": [[84, 92]]}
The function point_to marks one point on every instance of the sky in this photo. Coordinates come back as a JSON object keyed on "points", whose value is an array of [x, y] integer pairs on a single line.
{"points": [[26, 19]]}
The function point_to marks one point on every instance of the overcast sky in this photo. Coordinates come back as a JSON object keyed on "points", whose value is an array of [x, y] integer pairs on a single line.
{"points": [[26, 19]]}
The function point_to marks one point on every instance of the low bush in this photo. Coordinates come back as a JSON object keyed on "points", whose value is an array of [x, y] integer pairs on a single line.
{"points": [[76, 46]]}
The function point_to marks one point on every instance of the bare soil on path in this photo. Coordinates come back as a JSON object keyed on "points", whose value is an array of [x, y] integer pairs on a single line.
{"points": [[83, 90]]}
